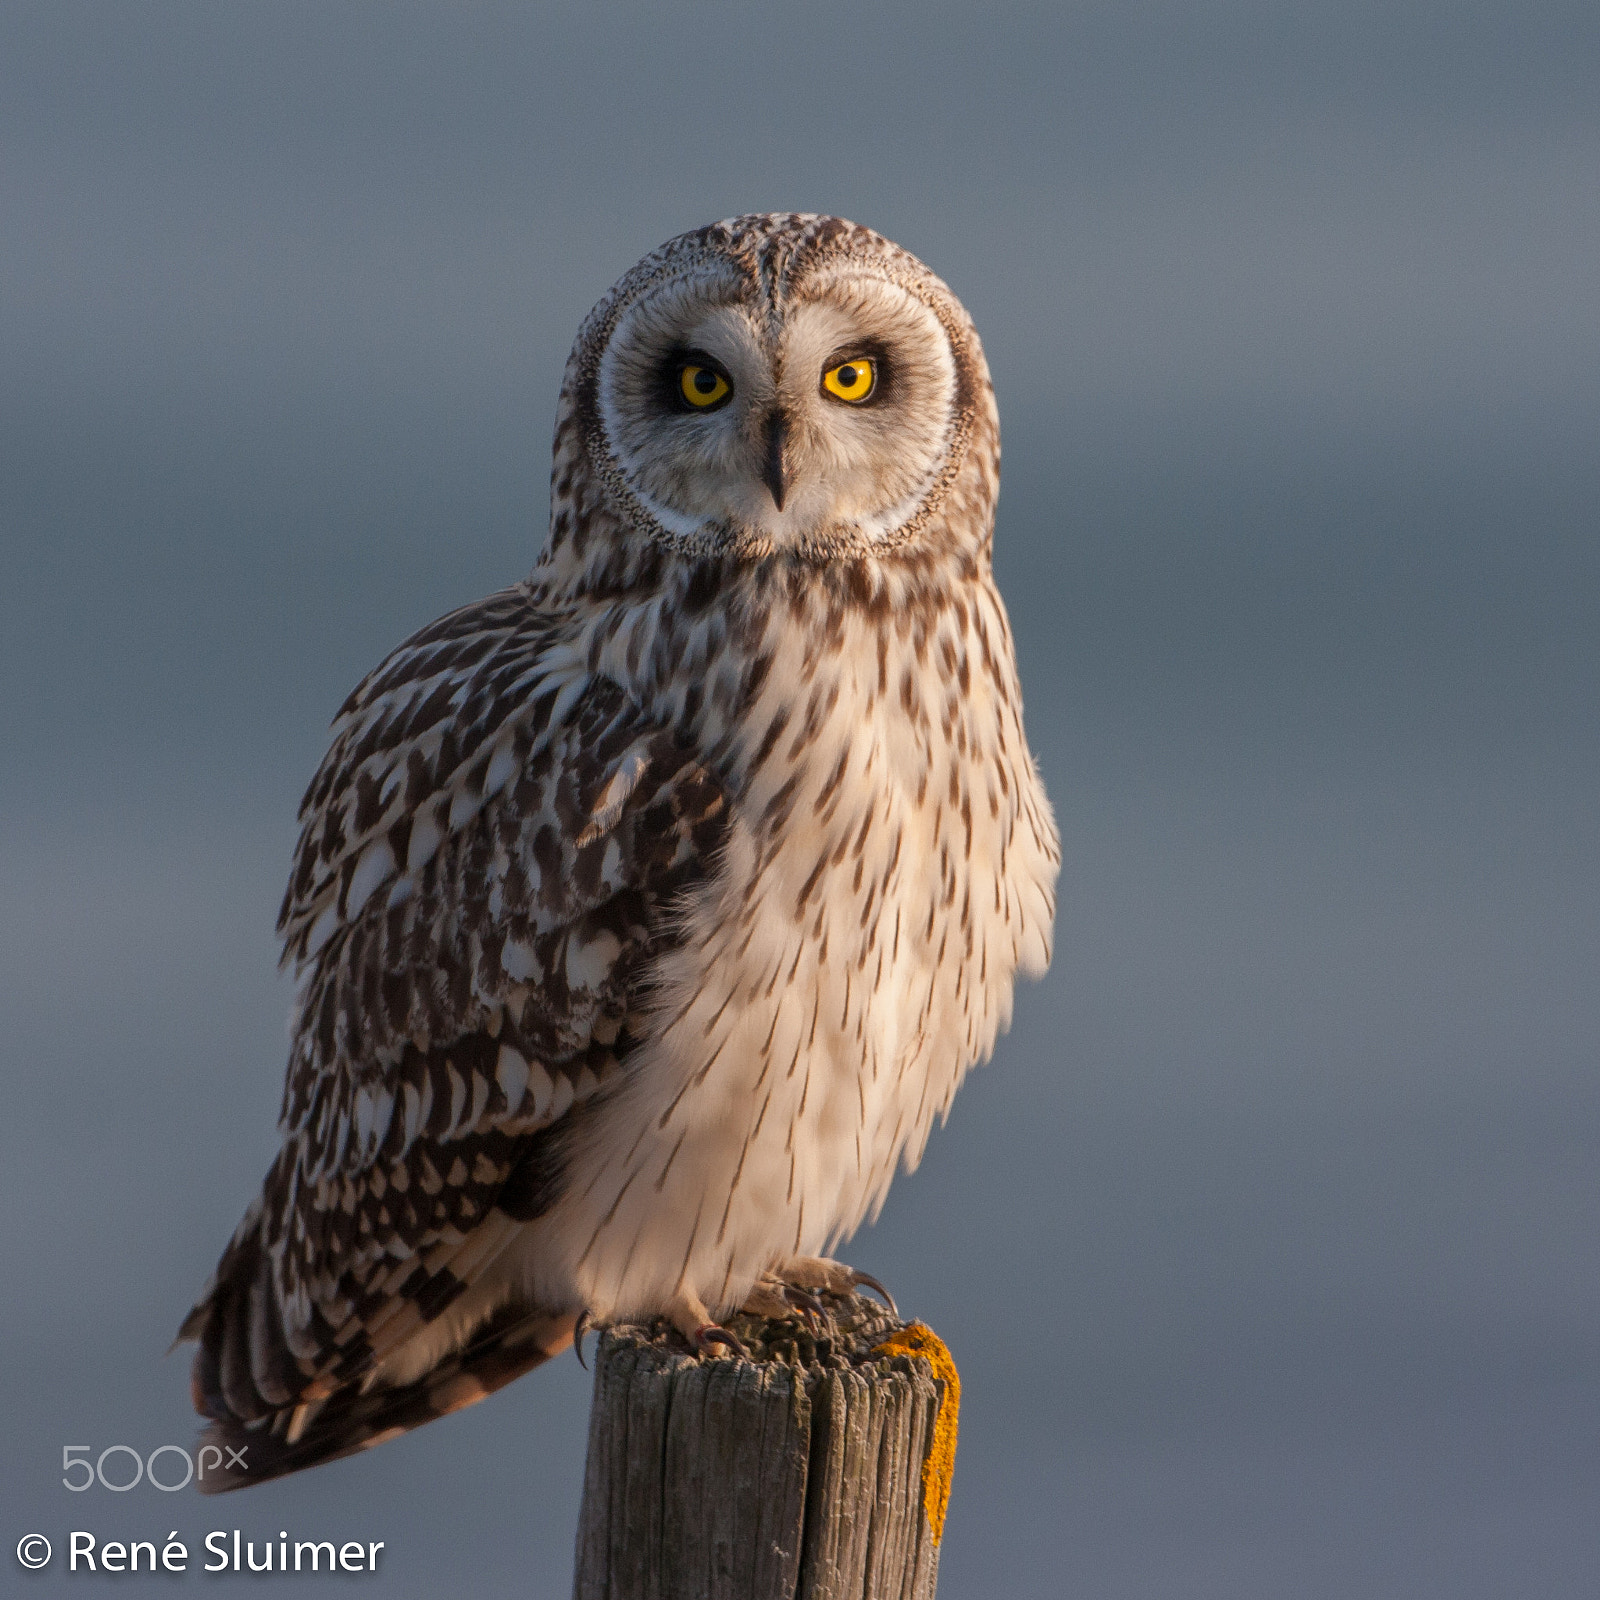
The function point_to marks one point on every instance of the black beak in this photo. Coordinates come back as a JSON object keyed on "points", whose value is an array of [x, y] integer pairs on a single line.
{"points": [[776, 473]]}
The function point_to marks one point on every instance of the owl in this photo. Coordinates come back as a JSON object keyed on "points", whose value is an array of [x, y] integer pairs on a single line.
{"points": [[646, 914]]}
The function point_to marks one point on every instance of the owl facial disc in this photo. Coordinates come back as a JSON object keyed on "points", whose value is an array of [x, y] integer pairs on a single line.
{"points": [[779, 384]]}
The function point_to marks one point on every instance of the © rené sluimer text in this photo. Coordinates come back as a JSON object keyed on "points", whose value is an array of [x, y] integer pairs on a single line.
{"points": [[226, 1550]]}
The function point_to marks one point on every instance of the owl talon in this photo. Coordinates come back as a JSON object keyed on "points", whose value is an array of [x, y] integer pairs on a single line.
{"points": [[806, 1303], [865, 1280], [710, 1335], [580, 1328], [831, 1277]]}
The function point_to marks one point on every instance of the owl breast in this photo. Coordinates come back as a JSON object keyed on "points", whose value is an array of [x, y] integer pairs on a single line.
{"points": [[889, 869]]}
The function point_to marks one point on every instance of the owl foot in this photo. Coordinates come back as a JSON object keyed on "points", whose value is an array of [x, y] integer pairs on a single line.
{"points": [[774, 1300], [803, 1273]]}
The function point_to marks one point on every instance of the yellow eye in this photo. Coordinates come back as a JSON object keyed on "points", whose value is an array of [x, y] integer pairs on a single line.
{"points": [[702, 387], [852, 380]]}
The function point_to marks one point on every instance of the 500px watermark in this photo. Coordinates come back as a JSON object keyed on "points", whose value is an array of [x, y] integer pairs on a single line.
{"points": [[128, 1468]]}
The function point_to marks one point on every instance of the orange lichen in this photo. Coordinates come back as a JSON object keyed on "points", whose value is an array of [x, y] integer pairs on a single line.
{"points": [[918, 1339]]}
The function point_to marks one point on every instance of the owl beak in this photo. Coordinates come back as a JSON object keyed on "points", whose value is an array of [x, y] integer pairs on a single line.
{"points": [[776, 473]]}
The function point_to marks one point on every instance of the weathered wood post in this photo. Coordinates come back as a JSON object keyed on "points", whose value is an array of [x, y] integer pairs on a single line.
{"points": [[818, 1469]]}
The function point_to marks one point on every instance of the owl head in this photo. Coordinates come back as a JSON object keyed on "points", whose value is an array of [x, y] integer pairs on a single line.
{"points": [[775, 383]]}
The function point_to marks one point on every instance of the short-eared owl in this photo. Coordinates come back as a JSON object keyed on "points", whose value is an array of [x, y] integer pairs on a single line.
{"points": [[647, 913]]}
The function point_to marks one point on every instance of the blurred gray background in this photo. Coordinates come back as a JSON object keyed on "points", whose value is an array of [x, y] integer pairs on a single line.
{"points": [[1268, 1245]]}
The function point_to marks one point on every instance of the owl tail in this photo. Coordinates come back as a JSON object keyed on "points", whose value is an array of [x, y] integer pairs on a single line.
{"points": [[512, 1342]]}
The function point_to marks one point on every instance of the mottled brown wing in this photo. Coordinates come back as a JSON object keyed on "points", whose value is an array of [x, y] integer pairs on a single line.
{"points": [[488, 862]]}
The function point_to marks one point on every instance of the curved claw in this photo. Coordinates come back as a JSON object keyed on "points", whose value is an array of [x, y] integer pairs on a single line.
{"points": [[711, 1334], [804, 1300], [865, 1280], [580, 1328]]}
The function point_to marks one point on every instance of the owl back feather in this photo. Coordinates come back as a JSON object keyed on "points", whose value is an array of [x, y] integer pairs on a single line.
{"points": [[351, 1420], [467, 996]]}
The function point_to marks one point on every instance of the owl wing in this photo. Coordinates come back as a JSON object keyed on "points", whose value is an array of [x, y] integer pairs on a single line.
{"points": [[487, 864]]}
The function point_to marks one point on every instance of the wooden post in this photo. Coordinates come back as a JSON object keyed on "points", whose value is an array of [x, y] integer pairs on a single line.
{"points": [[819, 1469]]}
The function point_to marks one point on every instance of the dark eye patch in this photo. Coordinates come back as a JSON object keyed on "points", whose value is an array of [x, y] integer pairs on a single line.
{"points": [[669, 378], [876, 352]]}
